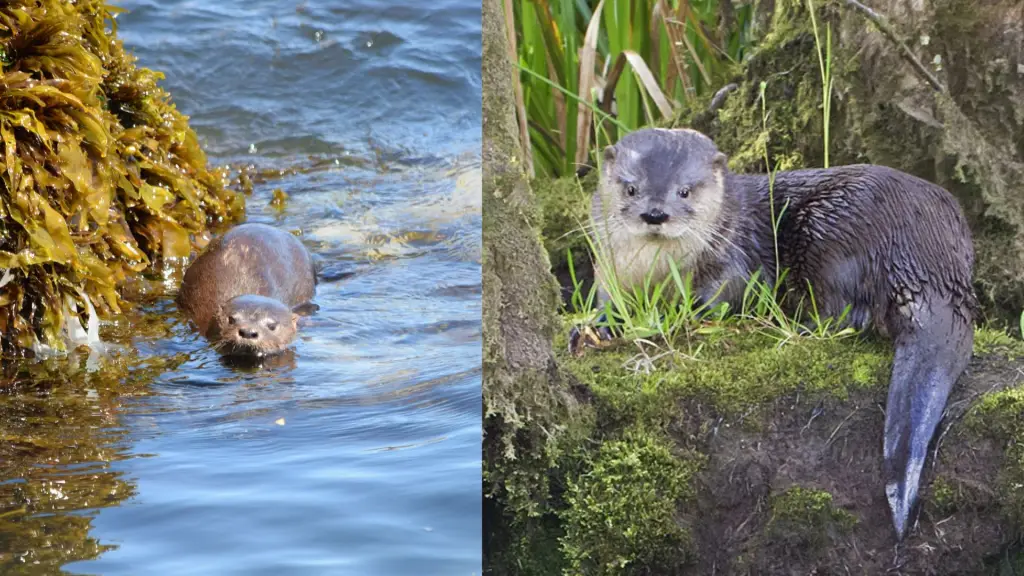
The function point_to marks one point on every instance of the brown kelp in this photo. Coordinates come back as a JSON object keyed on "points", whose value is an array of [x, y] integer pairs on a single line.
{"points": [[99, 172]]}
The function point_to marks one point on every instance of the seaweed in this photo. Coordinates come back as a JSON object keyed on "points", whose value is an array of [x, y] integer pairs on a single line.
{"points": [[100, 174]]}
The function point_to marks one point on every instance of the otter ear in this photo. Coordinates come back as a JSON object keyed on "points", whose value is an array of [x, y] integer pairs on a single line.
{"points": [[720, 162], [305, 309], [609, 154]]}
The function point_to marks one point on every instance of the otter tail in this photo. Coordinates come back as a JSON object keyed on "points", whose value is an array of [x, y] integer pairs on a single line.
{"points": [[931, 351]]}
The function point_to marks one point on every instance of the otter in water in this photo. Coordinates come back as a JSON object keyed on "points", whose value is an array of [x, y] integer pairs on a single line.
{"points": [[247, 290], [894, 248]]}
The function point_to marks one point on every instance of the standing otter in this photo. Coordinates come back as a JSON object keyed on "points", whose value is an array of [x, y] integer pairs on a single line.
{"points": [[245, 291], [893, 247]]}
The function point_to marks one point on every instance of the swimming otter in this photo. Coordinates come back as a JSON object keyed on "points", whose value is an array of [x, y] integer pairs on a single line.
{"points": [[893, 247], [246, 291]]}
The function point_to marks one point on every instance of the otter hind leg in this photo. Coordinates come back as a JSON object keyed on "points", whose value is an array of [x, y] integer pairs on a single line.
{"points": [[932, 349], [837, 292]]}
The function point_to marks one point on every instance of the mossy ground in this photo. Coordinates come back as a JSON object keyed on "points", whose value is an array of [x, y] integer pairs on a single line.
{"points": [[757, 459], [739, 385]]}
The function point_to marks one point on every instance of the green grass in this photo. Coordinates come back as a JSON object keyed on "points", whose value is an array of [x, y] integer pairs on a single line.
{"points": [[825, 63], [665, 313], [667, 308]]}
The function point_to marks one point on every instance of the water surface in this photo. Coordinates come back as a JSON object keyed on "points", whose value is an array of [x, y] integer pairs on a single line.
{"points": [[358, 452]]}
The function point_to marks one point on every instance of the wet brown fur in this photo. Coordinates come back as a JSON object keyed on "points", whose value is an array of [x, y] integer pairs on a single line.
{"points": [[249, 259]]}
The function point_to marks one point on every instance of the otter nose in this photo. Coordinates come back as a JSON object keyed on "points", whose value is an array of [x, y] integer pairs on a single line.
{"points": [[654, 216], [248, 333]]}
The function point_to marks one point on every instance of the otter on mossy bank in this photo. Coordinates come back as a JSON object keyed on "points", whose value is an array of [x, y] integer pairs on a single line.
{"points": [[894, 248], [247, 289]]}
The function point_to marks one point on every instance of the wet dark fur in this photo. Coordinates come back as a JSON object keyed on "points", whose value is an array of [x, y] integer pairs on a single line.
{"points": [[893, 246], [898, 236], [249, 259]]}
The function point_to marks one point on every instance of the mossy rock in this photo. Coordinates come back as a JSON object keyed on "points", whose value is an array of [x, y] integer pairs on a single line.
{"points": [[774, 457], [621, 514], [101, 174]]}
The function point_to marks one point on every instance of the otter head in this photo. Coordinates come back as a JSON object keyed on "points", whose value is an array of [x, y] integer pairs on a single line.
{"points": [[664, 184], [251, 325]]}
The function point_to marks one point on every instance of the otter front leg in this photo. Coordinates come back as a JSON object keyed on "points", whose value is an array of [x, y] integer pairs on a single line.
{"points": [[728, 289]]}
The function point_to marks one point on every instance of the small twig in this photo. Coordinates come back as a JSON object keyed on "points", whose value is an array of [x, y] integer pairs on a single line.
{"points": [[818, 411], [887, 29], [745, 414], [836, 431]]}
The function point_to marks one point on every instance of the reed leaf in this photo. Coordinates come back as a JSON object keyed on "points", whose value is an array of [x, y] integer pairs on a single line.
{"points": [[568, 50]]}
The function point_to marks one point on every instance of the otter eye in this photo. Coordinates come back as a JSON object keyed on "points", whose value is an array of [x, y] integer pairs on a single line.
{"points": [[232, 320], [631, 190], [271, 326], [684, 192]]}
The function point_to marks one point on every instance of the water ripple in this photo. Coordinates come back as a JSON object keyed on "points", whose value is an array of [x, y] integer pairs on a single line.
{"points": [[358, 451]]}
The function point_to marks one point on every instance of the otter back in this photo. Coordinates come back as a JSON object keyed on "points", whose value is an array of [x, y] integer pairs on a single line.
{"points": [[874, 238]]}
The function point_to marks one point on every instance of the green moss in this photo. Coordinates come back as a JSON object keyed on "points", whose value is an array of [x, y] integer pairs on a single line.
{"points": [[1000, 415], [565, 211], [991, 341], [738, 371], [806, 518], [866, 369], [621, 514], [786, 61], [942, 498]]}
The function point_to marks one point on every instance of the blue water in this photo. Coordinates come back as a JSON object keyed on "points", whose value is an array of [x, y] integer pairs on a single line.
{"points": [[358, 452]]}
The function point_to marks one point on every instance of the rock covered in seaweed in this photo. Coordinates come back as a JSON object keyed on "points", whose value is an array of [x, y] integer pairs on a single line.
{"points": [[99, 173]]}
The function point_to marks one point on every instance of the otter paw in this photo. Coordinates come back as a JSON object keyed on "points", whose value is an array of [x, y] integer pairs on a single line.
{"points": [[587, 336], [604, 332]]}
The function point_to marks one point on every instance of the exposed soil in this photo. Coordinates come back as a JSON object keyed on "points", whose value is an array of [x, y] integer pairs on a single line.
{"points": [[836, 447]]}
